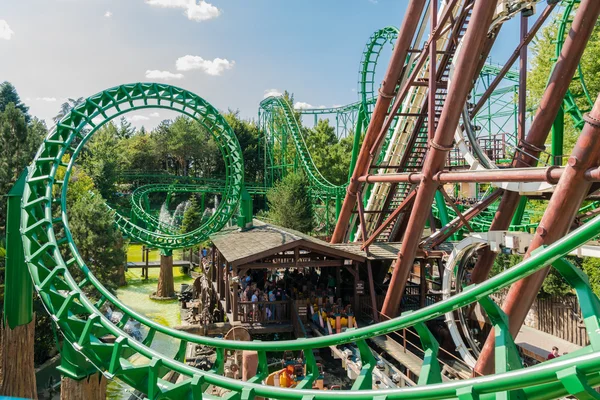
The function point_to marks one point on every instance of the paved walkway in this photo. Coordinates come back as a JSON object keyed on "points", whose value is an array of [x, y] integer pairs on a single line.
{"points": [[539, 344]]}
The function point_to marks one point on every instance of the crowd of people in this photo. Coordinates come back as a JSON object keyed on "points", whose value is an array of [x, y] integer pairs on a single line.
{"points": [[264, 285]]}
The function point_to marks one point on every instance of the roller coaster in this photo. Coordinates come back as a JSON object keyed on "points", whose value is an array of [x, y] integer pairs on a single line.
{"points": [[404, 131]]}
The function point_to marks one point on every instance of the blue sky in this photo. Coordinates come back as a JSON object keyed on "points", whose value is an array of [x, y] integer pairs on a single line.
{"points": [[75, 48]]}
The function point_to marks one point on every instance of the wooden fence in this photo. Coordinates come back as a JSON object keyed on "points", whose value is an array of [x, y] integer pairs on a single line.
{"points": [[561, 317]]}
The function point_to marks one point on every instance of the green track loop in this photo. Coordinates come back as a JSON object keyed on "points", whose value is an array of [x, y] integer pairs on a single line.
{"points": [[77, 128]]}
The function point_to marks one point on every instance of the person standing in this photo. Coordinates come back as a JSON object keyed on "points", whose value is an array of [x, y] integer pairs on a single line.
{"points": [[554, 353]]}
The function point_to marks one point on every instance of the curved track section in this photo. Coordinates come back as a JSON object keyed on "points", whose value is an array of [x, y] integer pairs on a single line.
{"points": [[73, 131], [280, 109]]}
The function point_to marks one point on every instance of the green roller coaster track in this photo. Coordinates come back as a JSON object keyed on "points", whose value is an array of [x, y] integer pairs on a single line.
{"points": [[51, 255]]}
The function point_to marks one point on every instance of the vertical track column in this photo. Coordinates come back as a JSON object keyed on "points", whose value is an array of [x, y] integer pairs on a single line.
{"points": [[18, 322], [387, 90], [462, 83], [529, 150], [562, 209]]}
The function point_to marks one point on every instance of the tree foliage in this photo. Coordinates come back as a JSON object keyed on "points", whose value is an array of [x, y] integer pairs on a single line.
{"points": [[19, 141], [290, 204], [100, 244], [192, 217], [8, 94], [102, 159], [543, 49]]}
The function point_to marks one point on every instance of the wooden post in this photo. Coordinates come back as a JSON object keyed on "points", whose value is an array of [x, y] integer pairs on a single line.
{"points": [[338, 282], [372, 292], [356, 295], [296, 256], [219, 276], [227, 289], [235, 293], [147, 261]]}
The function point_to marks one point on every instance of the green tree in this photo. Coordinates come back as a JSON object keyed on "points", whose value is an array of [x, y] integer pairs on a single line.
{"points": [[544, 50], [102, 160], [66, 108], [331, 156], [8, 94], [192, 217], [125, 130], [99, 242], [290, 204], [140, 153], [248, 135], [591, 267], [18, 143]]}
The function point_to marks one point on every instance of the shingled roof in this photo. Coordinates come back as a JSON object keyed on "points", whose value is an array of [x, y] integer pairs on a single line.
{"points": [[241, 247]]}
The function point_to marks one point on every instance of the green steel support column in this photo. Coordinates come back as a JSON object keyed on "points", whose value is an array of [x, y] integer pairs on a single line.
{"points": [[430, 371], [327, 214], [518, 216], [168, 199], [507, 355], [283, 155], [338, 205], [245, 216], [443, 210], [558, 137], [203, 201], [18, 295]]}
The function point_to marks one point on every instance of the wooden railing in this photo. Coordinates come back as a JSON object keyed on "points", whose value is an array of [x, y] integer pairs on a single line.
{"points": [[265, 312]]}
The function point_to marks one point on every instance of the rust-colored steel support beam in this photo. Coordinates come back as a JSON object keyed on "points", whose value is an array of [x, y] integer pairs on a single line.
{"points": [[528, 151], [549, 174], [387, 90], [562, 209], [391, 218], [526, 40], [464, 74], [522, 116], [456, 210], [432, 73]]}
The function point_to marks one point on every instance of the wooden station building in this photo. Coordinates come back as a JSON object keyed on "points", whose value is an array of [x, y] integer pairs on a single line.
{"points": [[273, 249]]}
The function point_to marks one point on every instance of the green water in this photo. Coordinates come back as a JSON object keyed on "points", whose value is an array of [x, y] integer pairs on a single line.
{"points": [[135, 295]]}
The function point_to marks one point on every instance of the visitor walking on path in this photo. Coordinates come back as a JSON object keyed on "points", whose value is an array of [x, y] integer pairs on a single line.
{"points": [[554, 353]]}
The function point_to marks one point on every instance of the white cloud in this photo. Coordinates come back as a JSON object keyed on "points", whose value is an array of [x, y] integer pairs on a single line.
{"points": [[5, 31], [48, 99], [337, 105], [214, 67], [162, 75], [272, 92], [137, 118], [108, 14], [195, 10], [154, 115], [300, 105]]}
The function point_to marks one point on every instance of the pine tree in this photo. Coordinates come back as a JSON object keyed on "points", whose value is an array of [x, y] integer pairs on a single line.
{"points": [[192, 217], [290, 205], [126, 130], [8, 94]]}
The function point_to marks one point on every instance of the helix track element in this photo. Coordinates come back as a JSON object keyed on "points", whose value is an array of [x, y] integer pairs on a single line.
{"points": [[73, 131]]}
